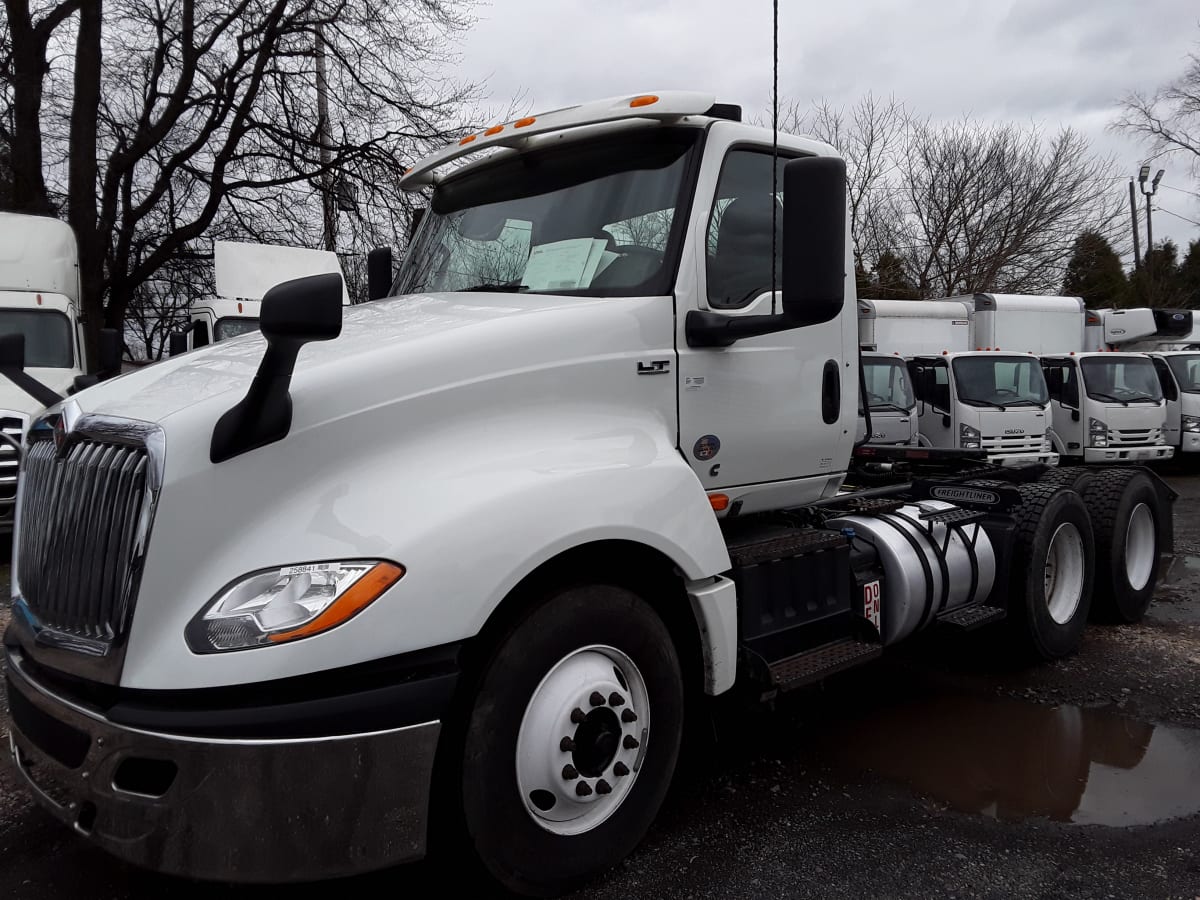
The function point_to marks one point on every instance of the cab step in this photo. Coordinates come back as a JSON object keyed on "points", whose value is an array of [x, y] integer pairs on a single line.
{"points": [[968, 618], [820, 662]]}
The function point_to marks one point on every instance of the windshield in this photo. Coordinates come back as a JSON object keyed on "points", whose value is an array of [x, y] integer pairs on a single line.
{"points": [[232, 326], [1121, 379], [593, 220], [887, 384], [47, 336], [1186, 370], [1000, 381]]}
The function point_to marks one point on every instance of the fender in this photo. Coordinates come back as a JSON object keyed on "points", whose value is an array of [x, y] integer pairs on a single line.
{"points": [[469, 508]]}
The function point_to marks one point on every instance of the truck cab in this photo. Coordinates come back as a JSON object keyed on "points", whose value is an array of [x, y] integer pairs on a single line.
{"points": [[996, 402], [890, 398], [39, 298], [1107, 407], [1179, 376]]}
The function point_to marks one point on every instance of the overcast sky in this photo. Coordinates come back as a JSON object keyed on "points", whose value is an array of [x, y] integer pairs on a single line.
{"points": [[1055, 62]]}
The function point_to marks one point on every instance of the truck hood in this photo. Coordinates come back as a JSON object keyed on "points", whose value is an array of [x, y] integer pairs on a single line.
{"points": [[387, 350], [13, 399]]}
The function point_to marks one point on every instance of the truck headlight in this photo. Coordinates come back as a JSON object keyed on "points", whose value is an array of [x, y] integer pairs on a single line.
{"points": [[1097, 433], [968, 437], [288, 603], [1191, 424], [1047, 444]]}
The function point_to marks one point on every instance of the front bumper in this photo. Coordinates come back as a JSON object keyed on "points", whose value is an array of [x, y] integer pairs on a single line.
{"points": [[246, 810], [1024, 459], [1118, 454]]}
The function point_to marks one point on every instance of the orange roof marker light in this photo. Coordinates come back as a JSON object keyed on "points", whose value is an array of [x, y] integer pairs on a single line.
{"points": [[467, 140], [719, 502], [525, 122], [495, 129], [643, 100]]}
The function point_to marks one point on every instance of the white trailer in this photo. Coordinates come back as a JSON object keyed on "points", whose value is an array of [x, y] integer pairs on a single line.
{"points": [[474, 549], [969, 395]]}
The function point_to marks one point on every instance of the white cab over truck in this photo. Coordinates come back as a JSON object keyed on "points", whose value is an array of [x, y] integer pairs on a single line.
{"points": [[890, 399], [39, 301], [967, 398], [244, 273], [467, 558]]}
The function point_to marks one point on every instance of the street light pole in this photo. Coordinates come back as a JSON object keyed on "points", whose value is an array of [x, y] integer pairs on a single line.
{"points": [[1137, 250], [1144, 174]]}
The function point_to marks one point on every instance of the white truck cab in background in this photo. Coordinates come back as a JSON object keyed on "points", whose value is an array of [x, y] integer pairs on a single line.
{"points": [[890, 397], [39, 298], [966, 399], [244, 273]]}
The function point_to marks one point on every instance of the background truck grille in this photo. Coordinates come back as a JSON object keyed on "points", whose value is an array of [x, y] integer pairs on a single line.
{"points": [[1134, 436], [1017, 443], [79, 522], [14, 428]]}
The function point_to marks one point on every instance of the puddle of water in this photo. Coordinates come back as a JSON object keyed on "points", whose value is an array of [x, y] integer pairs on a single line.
{"points": [[1012, 760]]}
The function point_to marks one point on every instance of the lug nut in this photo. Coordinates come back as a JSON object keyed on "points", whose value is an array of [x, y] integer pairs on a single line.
{"points": [[615, 699], [597, 699], [570, 773], [566, 745], [620, 769], [603, 787], [583, 789], [630, 742], [577, 716], [628, 715]]}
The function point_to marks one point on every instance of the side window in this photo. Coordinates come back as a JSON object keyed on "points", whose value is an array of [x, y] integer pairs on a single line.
{"points": [[738, 246], [1170, 392]]}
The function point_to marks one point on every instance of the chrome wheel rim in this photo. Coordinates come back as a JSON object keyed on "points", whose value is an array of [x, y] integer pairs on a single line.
{"points": [[1140, 547], [582, 740], [1064, 573]]}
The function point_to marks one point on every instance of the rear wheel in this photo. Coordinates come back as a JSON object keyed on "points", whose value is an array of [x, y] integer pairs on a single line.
{"points": [[561, 775], [1050, 582], [1127, 517]]}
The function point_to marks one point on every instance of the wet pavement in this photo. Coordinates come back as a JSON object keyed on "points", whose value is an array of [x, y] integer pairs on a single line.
{"points": [[943, 770]]}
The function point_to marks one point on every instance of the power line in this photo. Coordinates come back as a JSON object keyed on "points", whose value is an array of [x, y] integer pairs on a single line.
{"points": [[1178, 216], [1180, 190]]}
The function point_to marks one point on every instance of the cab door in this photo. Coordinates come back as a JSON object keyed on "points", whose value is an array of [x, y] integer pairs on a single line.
{"points": [[769, 410], [1170, 389], [1066, 420]]}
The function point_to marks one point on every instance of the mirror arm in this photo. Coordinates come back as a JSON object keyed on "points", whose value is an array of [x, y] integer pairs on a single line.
{"points": [[712, 329], [31, 386]]}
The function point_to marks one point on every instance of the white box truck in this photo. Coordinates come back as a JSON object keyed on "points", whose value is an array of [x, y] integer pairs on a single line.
{"points": [[39, 302], [480, 549], [244, 272], [969, 395]]}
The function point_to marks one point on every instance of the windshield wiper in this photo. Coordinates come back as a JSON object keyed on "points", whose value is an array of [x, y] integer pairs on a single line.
{"points": [[1099, 396], [512, 287], [896, 407], [975, 401], [1142, 398], [1024, 403]]}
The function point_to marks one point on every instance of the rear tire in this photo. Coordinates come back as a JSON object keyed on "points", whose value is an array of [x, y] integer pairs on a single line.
{"points": [[565, 704], [1127, 520], [1050, 580]]}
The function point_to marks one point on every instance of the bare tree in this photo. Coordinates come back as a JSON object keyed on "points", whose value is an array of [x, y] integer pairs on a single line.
{"points": [[162, 119], [979, 208], [1169, 118]]}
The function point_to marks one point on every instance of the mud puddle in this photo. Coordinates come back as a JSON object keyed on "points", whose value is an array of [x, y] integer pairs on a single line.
{"points": [[1012, 760]]}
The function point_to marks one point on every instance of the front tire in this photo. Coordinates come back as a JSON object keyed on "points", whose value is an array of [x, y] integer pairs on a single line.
{"points": [[561, 772]]}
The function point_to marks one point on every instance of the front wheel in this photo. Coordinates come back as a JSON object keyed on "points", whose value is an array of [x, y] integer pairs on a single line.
{"points": [[572, 739]]}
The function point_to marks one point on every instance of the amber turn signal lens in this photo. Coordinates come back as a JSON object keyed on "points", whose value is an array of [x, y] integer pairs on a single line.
{"points": [[364, 592]]}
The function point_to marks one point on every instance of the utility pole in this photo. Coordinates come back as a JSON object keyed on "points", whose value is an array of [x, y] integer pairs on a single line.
{"points": [[323, 135], [1137, 250]]}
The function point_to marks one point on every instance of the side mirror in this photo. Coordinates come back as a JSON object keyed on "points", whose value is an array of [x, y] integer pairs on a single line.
{"points": [[177, 343], [109, 352], [292, 314], [379, 272], [814, 239], [947, 421], [1054, 381]]}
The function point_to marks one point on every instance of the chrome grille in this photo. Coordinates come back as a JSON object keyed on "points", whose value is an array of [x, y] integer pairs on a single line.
{"points": [[14, 427], [78, 527]]}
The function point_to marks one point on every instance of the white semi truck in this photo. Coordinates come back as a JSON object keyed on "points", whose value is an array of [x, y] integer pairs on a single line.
{"points": [[469, 559], [39, 301], [244, 272], [969, 395]]}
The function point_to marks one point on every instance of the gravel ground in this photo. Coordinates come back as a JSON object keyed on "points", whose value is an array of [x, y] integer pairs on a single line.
{"points": [[778, 807]]}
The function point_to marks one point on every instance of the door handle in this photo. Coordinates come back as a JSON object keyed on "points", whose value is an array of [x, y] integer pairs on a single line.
{"points": [[831, 392]]}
